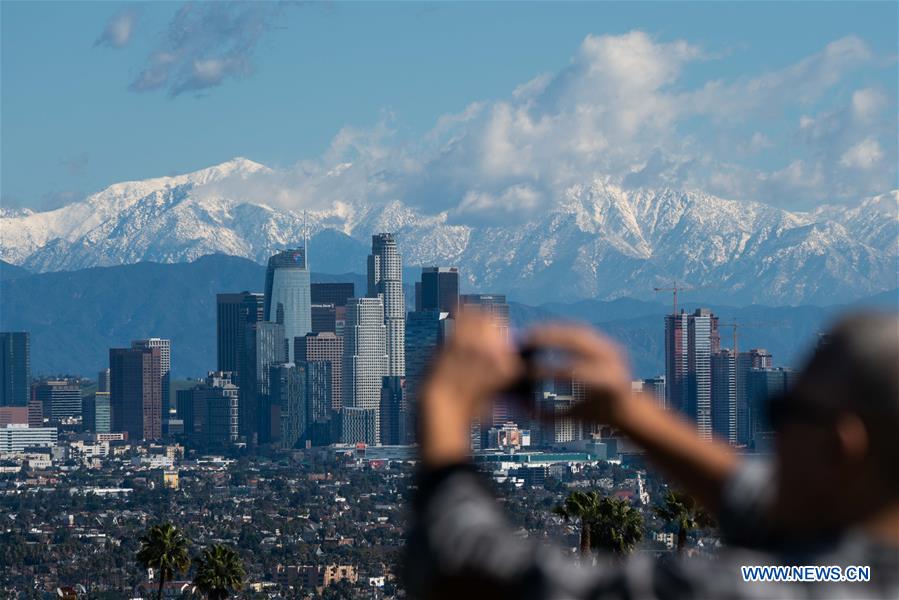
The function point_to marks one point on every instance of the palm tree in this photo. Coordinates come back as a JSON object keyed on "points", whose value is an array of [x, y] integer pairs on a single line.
{"points": [[682, 509], [617, 526], [582, 506], [165, 549], [219, 572]]}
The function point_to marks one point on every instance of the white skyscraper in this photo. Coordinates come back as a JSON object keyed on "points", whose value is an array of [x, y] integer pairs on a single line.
{"points": [[365, 359], [385, 281], [287, 295]]}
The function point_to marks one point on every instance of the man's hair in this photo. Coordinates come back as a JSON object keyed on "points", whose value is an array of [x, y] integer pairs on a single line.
{"points": [[858, 363]]}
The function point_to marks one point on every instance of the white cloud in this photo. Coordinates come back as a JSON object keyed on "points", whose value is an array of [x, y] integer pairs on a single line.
{"points": [[515, 204], [868, 103], [119, 29], [622, 111], [864, 155]]}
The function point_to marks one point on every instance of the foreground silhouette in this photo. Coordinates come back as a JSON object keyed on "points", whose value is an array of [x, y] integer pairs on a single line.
{"points": [[830, 497]]}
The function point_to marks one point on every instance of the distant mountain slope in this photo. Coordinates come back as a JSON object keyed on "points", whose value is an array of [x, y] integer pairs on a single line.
{"points": [[75, 316], [11, 271], [598, 241]]}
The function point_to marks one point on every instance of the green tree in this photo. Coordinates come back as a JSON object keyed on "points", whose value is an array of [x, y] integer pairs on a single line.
{"points": [[582, 506], [219, 572], [616, 526], [165, 549], [683, 510]]}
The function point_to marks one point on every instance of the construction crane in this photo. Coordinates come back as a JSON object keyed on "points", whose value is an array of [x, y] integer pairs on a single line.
{"points": [[760, 324], [674, 288]]}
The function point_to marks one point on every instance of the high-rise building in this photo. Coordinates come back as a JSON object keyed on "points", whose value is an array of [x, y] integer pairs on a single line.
{"points": [[165, 365], [562, 386], [492, 305], [724, 396], [222, 422], [329, 306], [265, 346], [35, 413], [324, 347], [321, 419], [288, 294], [359, 425], [60, 399], [190, 414], [324, 318], [335, 294], [392, 411], [135, 394], [561, 428], [690, 341], [656, 387], [364, 356], [103, 380], [210, 411], [233, 312], [288, 404], [15, 368], [756, 358], [676, 360], [95, 413], [763, 385], [426, 331], [385, 281], [439, 290]]}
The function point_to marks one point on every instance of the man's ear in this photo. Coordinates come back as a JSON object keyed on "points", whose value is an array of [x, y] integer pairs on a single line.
{"points": [[852, 438]]}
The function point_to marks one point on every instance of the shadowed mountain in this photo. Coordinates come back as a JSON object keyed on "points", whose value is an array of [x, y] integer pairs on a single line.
{"points": [[75, 316]]}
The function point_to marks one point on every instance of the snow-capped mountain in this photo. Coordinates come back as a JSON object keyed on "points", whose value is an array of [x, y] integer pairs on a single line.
{"points": [[599, 240]]}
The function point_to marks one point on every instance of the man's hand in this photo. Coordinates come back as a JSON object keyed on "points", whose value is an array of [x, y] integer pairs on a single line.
{"points": [[475, 364], [592, 359]]}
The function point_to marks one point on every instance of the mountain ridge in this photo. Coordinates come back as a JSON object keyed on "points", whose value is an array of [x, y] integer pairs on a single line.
{"points": [[598, 241]]}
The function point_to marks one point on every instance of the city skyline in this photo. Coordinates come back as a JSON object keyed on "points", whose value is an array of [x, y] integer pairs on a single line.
{"points": [[389, 299]]}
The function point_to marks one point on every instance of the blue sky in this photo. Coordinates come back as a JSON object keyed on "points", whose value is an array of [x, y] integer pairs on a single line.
{"points": [[790, 104]]}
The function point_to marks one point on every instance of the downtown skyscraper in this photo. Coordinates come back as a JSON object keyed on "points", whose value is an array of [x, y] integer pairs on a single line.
{"points": [[233, 312], [59, 399], [724, 395], [265, 346], [755, 358], [690, 341], [288, 294], [15, 368], [135, 395], [165, 364], [385, 281], [438, 290], [365, 364]]}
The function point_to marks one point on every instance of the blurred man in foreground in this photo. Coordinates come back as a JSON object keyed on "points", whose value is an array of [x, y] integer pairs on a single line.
{"points": [[831, 498]]}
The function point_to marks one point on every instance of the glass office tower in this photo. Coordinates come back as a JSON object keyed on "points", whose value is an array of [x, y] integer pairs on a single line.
{"points": [[287, 294]]}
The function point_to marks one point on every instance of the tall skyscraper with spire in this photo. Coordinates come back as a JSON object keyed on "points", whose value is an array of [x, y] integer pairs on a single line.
{"points": [[385, 281], [287, 295]]}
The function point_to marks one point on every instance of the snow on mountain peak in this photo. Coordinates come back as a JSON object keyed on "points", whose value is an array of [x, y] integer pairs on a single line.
{"points": [[599, 240]]}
